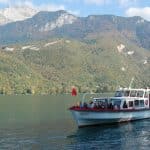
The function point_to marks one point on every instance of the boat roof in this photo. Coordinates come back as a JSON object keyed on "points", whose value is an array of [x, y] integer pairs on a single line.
{"points": [[132, 89]]}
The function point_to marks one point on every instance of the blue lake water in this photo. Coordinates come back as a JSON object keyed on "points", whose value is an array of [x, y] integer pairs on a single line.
{"points": [[44, 123]]}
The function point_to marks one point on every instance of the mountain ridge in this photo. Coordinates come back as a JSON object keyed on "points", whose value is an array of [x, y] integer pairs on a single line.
{"points": [[44, 25]]}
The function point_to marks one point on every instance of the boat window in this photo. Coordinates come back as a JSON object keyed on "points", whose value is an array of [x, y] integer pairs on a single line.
{"points": [[101, 100], [130, 103], [133, 93], [116, 101], [126, 93], [140, 93], [136, 103], [141, 103], [119, 94], [146, 95]]}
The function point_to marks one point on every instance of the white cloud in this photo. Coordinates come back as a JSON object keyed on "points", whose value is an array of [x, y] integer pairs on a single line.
{"points": [[15, 2], [122, 3], [29, 3], [50, 7], [22, 3], [40, 7], [97, 2], [69, 1], [126, 3], [143, 12], [4, 1], [74, 12]]}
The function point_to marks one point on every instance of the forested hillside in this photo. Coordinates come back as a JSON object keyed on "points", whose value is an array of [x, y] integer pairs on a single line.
{"points": [[54, 65]]}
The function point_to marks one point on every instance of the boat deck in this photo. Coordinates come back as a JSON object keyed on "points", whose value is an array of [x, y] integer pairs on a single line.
{"points": [[77, 108]]}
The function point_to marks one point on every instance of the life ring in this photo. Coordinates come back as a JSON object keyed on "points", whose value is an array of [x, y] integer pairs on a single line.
{"points": [[146, 102]]}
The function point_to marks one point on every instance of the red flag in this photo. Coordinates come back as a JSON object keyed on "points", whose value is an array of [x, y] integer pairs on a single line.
{"points": [[74, 92]]}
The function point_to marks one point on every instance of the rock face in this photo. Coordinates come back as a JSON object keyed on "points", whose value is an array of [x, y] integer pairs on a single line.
{"points": [[120, 48], [63, 19]]}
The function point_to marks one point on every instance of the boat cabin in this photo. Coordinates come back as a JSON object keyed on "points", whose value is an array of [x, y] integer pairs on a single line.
{"points": [[142, 93], [125, 99]]}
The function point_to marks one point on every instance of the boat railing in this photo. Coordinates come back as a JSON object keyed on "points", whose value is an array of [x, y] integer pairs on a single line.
{"points": [[91, 96]]}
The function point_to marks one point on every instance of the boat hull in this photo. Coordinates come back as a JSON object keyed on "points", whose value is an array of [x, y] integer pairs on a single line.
{"points": [[86, 118]]}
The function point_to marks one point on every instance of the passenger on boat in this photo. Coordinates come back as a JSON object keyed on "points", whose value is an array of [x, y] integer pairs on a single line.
{"points": [[125, 104], [110, 106], [103, 105], [91, 104], [100, 105], [78, 104], [85, 105], [115, 107], [97, 105]]}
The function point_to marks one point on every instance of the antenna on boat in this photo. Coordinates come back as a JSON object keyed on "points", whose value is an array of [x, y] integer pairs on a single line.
{"points": [[131, 82]]}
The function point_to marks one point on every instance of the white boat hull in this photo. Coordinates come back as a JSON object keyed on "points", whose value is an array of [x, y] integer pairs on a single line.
{"points": [[86, 118]]}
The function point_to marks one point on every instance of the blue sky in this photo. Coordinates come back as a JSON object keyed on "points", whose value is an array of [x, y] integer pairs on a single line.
{"points": [[87, 7]]}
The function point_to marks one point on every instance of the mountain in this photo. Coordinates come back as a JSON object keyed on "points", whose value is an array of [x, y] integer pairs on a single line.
{"points": [[17, 13], [62, 24], [52, 51], [35, 28]]}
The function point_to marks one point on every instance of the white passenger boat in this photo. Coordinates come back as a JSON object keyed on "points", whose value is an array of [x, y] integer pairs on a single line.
{"points": [[126, 105]]}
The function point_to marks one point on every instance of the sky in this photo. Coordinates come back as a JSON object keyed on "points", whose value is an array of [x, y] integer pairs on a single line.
{"points": [[126, 8]]}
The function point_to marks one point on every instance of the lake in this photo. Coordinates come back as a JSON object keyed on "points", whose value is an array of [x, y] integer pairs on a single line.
{"points": [[44, 123]]}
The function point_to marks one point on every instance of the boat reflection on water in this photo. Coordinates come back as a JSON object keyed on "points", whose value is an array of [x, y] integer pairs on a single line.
{"points": [[132, 135]]}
